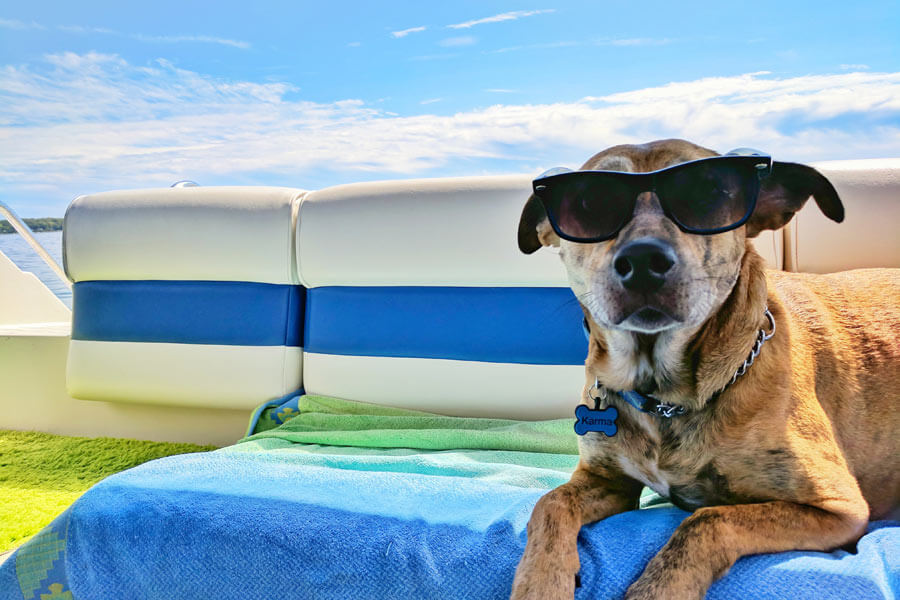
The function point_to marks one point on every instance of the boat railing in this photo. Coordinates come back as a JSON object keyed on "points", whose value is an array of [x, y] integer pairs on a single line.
{"points": [[28, 235]]}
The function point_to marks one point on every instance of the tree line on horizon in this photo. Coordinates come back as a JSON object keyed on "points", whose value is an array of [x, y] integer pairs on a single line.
{"points": [[40, 224]]}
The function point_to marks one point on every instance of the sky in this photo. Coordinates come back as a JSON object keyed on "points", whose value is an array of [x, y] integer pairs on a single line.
{"points": [[96, 96]]}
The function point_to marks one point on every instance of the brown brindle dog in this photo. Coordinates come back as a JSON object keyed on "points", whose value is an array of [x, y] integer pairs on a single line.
{"points": [[797, 454]]}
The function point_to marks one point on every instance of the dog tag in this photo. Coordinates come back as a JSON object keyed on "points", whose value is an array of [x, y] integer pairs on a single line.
{"points": [[603, 421]]}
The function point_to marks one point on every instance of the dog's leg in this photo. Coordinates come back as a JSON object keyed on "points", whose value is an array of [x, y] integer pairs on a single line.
{"points": [[708, 542], [548, 567]]}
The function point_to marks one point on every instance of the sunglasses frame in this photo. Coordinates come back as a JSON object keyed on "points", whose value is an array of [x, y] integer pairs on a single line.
{"points": [[762, 163]]}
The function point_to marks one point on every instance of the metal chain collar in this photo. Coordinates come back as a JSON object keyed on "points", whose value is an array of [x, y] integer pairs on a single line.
{"points": [[761, 338]]}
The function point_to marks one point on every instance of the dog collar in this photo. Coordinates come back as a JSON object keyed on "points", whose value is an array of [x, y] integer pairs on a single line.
{"points": [[642, 402], [649, 404]]}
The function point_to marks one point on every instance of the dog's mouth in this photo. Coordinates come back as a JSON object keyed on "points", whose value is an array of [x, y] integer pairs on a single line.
{"points": [[648, 319]]}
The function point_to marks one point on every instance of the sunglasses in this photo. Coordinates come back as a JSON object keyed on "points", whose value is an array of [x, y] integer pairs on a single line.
{"points": [[706, 196]]}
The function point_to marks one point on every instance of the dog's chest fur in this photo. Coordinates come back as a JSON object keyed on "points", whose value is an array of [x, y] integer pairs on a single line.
{"points": [[670, 456]]}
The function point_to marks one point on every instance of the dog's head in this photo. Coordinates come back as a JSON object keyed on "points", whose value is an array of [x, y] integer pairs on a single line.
{"points": [[653, 276]]}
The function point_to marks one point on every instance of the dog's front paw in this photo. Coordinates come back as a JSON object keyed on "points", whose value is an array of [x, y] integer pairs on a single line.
{"points": [[543, 584], [672, 584], [642, 590]]}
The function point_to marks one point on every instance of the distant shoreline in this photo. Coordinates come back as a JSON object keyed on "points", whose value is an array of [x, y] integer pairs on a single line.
{"points": [[36, 225]]}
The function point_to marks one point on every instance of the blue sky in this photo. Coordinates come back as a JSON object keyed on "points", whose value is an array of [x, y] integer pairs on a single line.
{"points": [[101, 95]]}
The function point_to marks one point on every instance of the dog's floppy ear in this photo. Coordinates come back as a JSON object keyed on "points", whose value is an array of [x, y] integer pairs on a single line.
{"points": [[534, 227], [786, 190]]}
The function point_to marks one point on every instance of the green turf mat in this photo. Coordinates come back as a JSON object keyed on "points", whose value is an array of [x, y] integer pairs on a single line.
{"points": [[42, 474]]}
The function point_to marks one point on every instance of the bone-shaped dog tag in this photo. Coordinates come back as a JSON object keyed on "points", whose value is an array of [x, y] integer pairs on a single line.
{"points": [[596, 420]]}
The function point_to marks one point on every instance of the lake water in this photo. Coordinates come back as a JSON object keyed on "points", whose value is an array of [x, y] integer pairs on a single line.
{"points": [[18, 251]]}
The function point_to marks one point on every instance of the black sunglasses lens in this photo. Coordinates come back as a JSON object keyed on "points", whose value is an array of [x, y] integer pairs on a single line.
{"points": [[703, 197], [588, 206], [709, 195]]}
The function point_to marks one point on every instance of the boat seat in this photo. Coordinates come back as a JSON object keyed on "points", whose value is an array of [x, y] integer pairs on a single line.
{"points": [[184, 296], [870, 192]]}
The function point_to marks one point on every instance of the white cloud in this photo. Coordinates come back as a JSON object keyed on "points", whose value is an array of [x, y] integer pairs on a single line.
{"points": [[855, 67], [16, 24], [508, 16], [204, 39], [84, 30], [634, 42], [620, 42], [540, 46], [406, 32], [465, 40], [91, 122], [442, 56], [431, 101]]}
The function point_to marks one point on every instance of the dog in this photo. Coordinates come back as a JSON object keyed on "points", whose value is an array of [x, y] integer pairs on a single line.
{"points": [[764, 402]]}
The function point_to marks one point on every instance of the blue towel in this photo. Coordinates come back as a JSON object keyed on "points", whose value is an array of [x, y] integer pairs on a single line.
{"points": [[306, 521]]}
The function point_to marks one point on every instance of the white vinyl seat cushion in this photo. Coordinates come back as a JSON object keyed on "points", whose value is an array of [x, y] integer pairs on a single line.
{"points": [[869, 236], [185, 296], [192, 233]]}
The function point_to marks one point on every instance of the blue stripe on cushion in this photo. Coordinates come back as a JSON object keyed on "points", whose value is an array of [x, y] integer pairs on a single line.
{"points": [[506, 325], [234, 313]]}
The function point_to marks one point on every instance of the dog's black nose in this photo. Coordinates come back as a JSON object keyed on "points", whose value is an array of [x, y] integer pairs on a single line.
{"points": [[642, 264]]}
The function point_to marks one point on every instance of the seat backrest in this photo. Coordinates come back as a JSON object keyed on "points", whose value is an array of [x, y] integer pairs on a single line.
{"points": [[869, 236], [418, 297], [184, 296]]}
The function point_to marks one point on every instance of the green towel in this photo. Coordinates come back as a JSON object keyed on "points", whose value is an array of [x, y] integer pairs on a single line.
{"points": [[340, 434], [335, 422]]}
